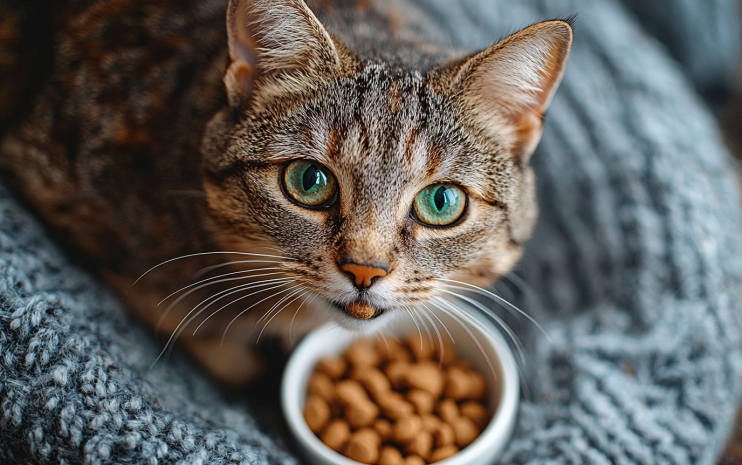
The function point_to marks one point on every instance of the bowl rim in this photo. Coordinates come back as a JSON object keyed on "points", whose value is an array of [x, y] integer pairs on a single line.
{"points": [[495, 436]]}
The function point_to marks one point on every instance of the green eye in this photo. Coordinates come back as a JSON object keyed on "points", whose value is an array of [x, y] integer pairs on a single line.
{"points": [[440, 204], [309, 183]]}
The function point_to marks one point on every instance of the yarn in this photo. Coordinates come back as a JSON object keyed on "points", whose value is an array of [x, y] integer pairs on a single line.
{"points": [[634, 272]]}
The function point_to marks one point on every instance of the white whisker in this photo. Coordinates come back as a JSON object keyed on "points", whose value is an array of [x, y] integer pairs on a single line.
{"points": [[185, 295], [454, 309], [291, 326], [439, 321], [212, 314], [303, 293], [497, 319], [416, 325], [183, 324], [438, 333], [211, 280], [204, 254], [224, 335], [499, 299], [211, 268]]}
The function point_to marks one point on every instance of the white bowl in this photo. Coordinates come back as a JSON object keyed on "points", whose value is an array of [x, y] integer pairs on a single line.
{"points": [[504, 386]]}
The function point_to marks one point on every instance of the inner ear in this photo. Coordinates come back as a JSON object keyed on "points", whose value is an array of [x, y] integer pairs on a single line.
{"points": [[273, 37], [508, 87]]}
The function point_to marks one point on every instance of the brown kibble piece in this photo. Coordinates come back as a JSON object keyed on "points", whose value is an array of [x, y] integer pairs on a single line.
{"points": [[320, 384], [397, 372], [350, 391], [444, 435], [422, 400], [384, 428], [336, 434], [362, 449], [390, 456], [369, 435], [420, 347], [406, 428], [362, 353], [477, 386], [334, 367], [361, 413], [374, 381], [425, 375], [316, 413], [391, 349], [458, 383], [443, 453], [476, 412], [465, 430], [448, 410], [421, 444], [395, 406], [414, 460], [430, 422]]}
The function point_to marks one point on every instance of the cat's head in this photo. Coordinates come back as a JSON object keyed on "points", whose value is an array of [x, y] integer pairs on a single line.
{"points": [[380, 186]]}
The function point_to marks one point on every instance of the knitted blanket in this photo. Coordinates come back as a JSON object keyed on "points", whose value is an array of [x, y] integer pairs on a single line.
{"points": [[634, 271]]}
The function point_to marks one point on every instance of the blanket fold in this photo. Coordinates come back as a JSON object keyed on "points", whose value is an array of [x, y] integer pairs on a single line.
{"points": [[634, 271]]}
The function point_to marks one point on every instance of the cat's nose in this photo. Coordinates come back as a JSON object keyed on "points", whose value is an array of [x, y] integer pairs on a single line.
{"points": [[363, 275]]}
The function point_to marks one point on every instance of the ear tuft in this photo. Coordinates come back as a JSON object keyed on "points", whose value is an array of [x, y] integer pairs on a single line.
{"points": [[508, 87], [273, 37]]}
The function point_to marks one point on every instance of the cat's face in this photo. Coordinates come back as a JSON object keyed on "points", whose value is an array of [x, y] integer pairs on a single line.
{"points": [[379, 187]]}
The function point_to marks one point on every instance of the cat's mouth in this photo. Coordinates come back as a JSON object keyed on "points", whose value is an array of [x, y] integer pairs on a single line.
{"points": [[359, 310]]}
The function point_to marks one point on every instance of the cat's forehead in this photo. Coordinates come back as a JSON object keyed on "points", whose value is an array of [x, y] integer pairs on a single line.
{"points": [[385, 131]]}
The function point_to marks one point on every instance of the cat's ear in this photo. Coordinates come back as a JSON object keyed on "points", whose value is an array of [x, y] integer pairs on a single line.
{"points": [[273, 36], [508, 87]]}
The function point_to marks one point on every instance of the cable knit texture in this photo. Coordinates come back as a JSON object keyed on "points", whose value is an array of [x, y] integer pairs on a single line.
{"points": [[634, 271]]}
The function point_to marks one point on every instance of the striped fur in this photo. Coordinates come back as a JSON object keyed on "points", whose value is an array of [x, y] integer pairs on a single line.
{"points": [[166, 137]]}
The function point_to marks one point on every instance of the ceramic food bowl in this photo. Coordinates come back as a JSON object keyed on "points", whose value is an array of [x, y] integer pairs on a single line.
{"points": [[503, 386]]}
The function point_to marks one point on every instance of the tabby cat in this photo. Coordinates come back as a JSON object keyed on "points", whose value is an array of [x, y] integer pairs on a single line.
{"points": [[329, 169]]}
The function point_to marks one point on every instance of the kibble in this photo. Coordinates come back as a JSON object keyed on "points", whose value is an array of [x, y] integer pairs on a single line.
{"points": [[430, 422], [443, 453], [458, 384], [321, 385], [448, 410], [334, 367], [392, 402], [422, 400], [361, 413], [476, 412], [391, 456], [427, 376], [316, 413], [384, 428], [336, 434], [406, 428], [421, 444], [444, 435], [414, 460], [465, 431]]}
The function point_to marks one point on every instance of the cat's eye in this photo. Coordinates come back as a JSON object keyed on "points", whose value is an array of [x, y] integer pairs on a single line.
{"points": [[440, 204], [310, 183]]}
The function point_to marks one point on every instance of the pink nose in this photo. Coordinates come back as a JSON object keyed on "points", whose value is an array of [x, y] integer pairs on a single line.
{"points": [[363, 274]]}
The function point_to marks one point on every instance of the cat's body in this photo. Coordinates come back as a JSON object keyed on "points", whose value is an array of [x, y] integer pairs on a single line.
{"points": [[137, 153]]}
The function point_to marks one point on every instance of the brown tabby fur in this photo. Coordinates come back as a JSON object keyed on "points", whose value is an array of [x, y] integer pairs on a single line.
{"points": [[138, 147]]}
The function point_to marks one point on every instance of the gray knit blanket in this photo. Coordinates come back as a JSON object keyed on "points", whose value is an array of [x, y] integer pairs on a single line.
{"points": [[634, 271]]}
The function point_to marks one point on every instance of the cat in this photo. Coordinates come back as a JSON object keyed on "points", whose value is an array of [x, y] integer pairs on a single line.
{"points": [[332, 165]]}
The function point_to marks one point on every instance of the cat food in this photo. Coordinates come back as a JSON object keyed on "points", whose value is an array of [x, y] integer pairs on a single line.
{"points": [[396, 403]]}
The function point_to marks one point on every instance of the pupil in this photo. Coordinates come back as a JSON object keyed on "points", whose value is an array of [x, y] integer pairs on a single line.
{"points": [[311, 178], [440, 198]]}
